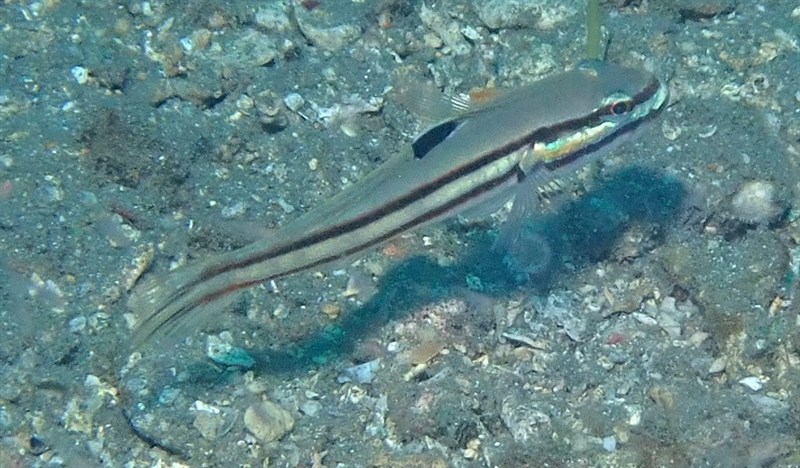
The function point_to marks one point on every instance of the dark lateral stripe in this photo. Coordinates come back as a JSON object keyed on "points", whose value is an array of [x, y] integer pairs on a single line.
{"points": [[458, 172], [540, 134], [647, 93], [417, 221], [380, 213], [173, 319], [342, 229]]}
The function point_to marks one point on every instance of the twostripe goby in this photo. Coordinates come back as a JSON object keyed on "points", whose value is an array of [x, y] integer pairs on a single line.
{"points": [[533, 131]]}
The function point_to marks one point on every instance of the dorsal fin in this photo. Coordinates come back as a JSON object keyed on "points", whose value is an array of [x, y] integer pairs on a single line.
{"points": [[439, 113], [426, 102], [433, 136]]}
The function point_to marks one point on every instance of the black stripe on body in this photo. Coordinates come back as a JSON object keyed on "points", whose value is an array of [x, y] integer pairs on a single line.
{"points": [[459, 172], [457, 175]]}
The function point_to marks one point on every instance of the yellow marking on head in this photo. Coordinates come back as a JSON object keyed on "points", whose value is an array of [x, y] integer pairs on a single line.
{"points": [[548, 152]]}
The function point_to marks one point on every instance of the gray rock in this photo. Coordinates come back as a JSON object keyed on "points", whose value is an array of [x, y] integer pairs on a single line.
{"points": [[209, 425], [447, 29], [327, 31], [273, 17], [362, 373], [268, 421], [542, 14]]}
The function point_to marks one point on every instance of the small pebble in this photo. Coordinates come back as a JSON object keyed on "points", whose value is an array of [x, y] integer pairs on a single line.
{"points": [[294, 101], [80, 74], [753, 383], [168, 395], [78, 324], [718, 365], [95, 447], [670, 325], [310, 407], [268, 421], [226, 354], [285, 206], [610, 444], [205, 407], [234, 211], [273, 17], [362, 373], [209, 425], [755, 203]]}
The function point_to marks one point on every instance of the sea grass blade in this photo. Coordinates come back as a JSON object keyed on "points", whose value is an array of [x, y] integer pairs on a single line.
{"points": [[593, 34]]}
